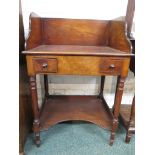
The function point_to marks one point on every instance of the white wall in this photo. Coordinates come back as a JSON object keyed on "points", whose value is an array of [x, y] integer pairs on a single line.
{"points": [[87, 9]]}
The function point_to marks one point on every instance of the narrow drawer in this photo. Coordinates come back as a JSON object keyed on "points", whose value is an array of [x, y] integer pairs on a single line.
{"points": [[45, 65], [111, 66]]}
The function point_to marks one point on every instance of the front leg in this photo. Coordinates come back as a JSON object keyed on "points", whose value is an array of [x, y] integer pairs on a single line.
{"points": [[116, 107], [36, 122]]}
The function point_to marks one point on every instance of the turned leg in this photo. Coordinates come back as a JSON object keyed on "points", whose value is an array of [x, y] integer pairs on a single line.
{"points": [[131, 122], [36, 122], [102, 86], [116, 107], [128, 136], [113, 130], [46, 85], [118, 78]]}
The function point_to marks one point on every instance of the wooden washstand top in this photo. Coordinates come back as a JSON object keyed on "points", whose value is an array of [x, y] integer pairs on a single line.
{"points": [[59, 36]]}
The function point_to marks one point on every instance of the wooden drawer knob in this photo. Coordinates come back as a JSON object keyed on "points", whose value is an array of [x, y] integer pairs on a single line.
{"points": [[112, 66], [44, 65]]}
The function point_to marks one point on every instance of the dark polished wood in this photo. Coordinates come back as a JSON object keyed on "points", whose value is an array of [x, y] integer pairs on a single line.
{"points": [[51, 31], [116, 107], [127, 112], [25, 121], [45, 65], [74, 65], [132, 61], [76, 47], [76, 50], [36, 122], [64, 108]]}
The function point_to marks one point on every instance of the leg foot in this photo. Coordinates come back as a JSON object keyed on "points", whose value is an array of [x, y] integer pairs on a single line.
{"points": [[112, 138], [37, 139], [128, 137], [36, 130], [114, 128], [38, 143]]}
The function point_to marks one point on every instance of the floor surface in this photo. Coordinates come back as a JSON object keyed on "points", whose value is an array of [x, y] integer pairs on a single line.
{"points": [[79, 138]]}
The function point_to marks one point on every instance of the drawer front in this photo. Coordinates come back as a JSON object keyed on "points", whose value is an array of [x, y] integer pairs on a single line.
{"points": [[111, 66], [77, 65], [42, 65]]}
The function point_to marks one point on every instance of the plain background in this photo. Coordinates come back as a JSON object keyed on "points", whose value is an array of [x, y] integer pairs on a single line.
{"points": [[145, 77], [82, 9]]}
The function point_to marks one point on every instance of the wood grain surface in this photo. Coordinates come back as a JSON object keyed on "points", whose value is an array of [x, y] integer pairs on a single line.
{"points": [[65, 108]]}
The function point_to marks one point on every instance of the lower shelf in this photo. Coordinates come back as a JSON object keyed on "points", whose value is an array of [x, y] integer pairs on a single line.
{"points": [[85, 108]]}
